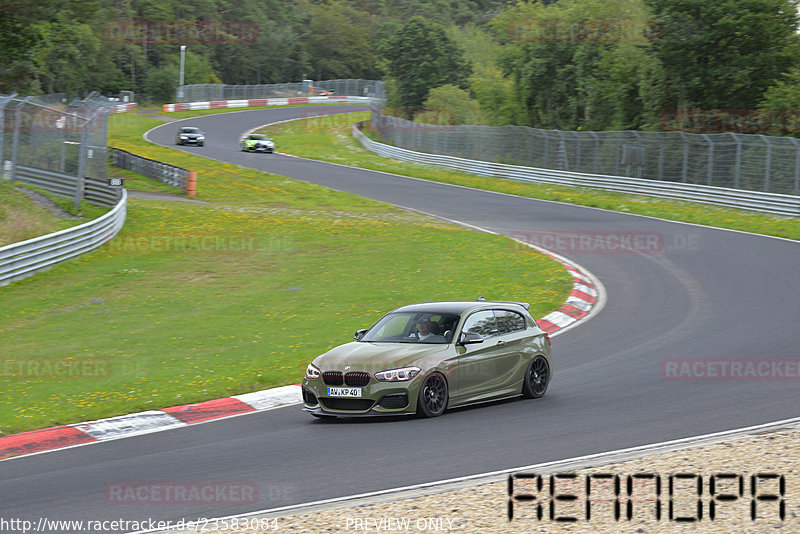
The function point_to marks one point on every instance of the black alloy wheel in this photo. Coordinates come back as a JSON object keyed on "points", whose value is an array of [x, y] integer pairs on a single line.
{"points": [[536, 378], [432, 396]]}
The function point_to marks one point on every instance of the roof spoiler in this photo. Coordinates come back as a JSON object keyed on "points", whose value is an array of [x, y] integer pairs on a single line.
{"points": [[525, 305]]}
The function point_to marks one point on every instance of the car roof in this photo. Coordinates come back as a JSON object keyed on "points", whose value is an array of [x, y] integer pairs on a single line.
{"points": [[457, 307]]}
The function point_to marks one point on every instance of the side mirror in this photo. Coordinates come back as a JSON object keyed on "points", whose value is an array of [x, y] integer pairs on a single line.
{"points": [[469, 338], [360, 333]]}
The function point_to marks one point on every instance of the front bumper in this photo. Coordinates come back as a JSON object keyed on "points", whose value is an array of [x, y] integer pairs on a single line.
{"points": [[377, 398], [370, 413], [260, 148]]}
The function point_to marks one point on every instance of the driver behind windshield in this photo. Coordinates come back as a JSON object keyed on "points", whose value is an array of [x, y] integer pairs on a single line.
{"points": [[426, 332]]}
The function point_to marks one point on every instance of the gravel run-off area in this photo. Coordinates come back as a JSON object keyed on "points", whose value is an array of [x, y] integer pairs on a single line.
{"points": [[484, 508]]}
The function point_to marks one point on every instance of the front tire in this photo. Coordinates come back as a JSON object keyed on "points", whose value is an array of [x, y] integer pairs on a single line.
{"points": [[433, 396], [537, 378]]}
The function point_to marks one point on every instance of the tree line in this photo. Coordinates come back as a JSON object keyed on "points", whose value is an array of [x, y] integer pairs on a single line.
{"points": [[73, 46], [565, 64]]}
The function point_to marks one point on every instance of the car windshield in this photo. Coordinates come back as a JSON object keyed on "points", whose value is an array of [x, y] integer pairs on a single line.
{"points": [[258, 136], [190, 130], [413, 327]]}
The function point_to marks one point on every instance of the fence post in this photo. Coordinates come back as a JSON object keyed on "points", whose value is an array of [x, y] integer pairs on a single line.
{"points": [[15, 146], [3, 102], [81, 166], [685, 156], [710, 169], [738, 164], [796, 166], [768, 163]]}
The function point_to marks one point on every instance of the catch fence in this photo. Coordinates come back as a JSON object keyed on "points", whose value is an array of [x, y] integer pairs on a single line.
{"points": [[58, 145], [763, 163]]}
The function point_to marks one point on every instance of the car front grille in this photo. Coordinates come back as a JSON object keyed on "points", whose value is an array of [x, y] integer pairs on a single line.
{"points": [[356, 405], [309, 398], [333, 378], [356, 379], [395, 400]]}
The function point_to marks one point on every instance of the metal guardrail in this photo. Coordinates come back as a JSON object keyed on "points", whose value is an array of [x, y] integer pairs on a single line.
{"points": [[96, 191], [722, 196], [168, 174], [19, 260], [56, 182]]}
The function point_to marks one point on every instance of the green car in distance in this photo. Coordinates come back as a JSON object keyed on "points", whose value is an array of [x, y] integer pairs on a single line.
{"points": [[257, 143], [424, 358]]}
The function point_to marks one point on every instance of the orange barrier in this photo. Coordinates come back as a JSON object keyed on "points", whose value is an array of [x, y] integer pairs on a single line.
{"points": [[191, 185]]}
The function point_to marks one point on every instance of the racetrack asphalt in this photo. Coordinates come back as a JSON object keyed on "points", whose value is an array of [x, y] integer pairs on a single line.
{"points": [[699, 293]]}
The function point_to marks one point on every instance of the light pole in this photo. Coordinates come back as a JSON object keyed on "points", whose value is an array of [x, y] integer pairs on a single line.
{"points": [[180, 83]]}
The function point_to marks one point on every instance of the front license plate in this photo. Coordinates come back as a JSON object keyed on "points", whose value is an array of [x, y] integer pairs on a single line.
{"points": [[344, 392]]}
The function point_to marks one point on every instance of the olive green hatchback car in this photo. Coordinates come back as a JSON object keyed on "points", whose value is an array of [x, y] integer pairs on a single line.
{"points": [[425, 358]]}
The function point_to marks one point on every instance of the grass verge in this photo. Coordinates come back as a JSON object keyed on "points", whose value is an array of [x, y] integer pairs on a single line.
{"points": [[22, 219], [329, 139], [194, 301]]}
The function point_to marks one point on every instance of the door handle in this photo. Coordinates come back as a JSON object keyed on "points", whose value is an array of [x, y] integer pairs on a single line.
{"points": [[501, 342]]}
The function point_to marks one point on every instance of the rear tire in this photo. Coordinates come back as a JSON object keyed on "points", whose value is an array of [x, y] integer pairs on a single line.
{"points": [[433, 396], [537, 378]]}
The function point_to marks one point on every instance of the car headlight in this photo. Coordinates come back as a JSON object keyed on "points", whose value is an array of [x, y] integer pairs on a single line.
{"points": [[398, 375], [184, 137], [201, 136], [312, 372]]}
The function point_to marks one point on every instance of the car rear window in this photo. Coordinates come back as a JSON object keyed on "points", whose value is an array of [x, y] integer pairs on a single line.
{"points": [[509, 321]]}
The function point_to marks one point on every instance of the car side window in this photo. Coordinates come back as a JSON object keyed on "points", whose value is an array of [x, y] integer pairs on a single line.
{"points": [[482, 323], [509, 321]]}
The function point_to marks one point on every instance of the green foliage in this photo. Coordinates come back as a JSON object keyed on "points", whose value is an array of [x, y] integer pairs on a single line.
{"points": [[784, 97], [493, 91], [724, 54], [573, 68], [785, 94], [162, 83], [420, 57], [74, 46], [450, 105], [346, 52], [570, 64]]}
